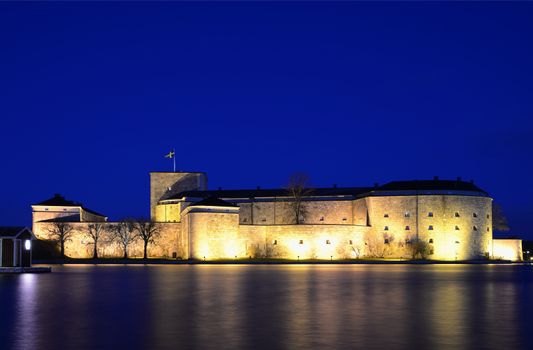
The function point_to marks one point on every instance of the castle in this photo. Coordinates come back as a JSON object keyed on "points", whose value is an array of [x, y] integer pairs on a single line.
{"points": [[434, 219]]}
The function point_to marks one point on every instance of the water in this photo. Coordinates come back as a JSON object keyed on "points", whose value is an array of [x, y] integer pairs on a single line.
{"points": [[269, 307]]}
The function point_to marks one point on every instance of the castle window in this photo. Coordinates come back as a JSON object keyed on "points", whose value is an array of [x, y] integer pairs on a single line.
{"points": [[407, 228], [456, 228], [328, 242], [456, 242], [344, 219], [264, 219], [475, 228], [488, 216], [322, 218], [385, 215], [474, 215], [431, 240], [351, 242], [431, 251], [430, 214], [407, 214], [301, 241], [386, 228], [457, 214], [430, 227], [275, 242], [386, 241], [488, 229], [46, 209]]}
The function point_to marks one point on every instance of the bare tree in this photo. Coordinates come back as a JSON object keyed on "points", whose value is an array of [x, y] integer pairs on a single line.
{"points": [[297, 189], [499, 220], [148, 231], [357, 251], [124, 234], [61, 232], [417, 248], [95, 232], [376, 244]]}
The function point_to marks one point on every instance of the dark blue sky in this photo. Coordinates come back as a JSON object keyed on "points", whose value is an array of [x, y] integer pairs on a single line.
{"points": [[92, 95]]}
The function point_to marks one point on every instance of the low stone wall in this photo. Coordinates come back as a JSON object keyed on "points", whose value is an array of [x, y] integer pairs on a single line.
{"points": [[507, 249], [80, 245]]}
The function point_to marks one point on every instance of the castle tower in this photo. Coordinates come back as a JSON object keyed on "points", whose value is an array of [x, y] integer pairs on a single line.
{"points": [[166, 184]]}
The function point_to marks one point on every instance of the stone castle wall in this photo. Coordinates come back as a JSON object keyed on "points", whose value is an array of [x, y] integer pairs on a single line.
{"points": [[168, 212], [303, 241], [455, 227], [212, 235], [279, 212], [452, 227]]}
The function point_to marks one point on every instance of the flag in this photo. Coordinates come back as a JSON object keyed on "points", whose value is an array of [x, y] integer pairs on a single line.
{"points": [[170, 154]]}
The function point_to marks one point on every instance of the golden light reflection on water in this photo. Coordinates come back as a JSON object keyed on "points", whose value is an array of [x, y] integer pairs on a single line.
{"points": [[270, 306]]}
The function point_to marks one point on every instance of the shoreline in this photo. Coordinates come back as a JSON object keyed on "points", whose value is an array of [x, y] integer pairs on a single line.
{"points": [[268, 262]]}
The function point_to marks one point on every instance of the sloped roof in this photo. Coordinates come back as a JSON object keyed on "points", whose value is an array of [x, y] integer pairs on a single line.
{"points": [[59, 201], [93, 212], [430, 185], [213, 202], [412, 185], [12, 231], [277, 192]]}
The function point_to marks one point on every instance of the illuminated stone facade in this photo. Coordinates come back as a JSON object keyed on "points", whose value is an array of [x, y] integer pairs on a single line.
{"points": [[434, 219], [507, 249]]}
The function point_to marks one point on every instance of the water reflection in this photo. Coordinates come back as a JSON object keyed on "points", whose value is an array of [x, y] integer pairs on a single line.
{"points": [[26, 307], [268, 307]]}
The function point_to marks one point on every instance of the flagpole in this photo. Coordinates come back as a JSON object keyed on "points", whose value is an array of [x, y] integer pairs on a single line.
{"points": [[174, 159]]}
